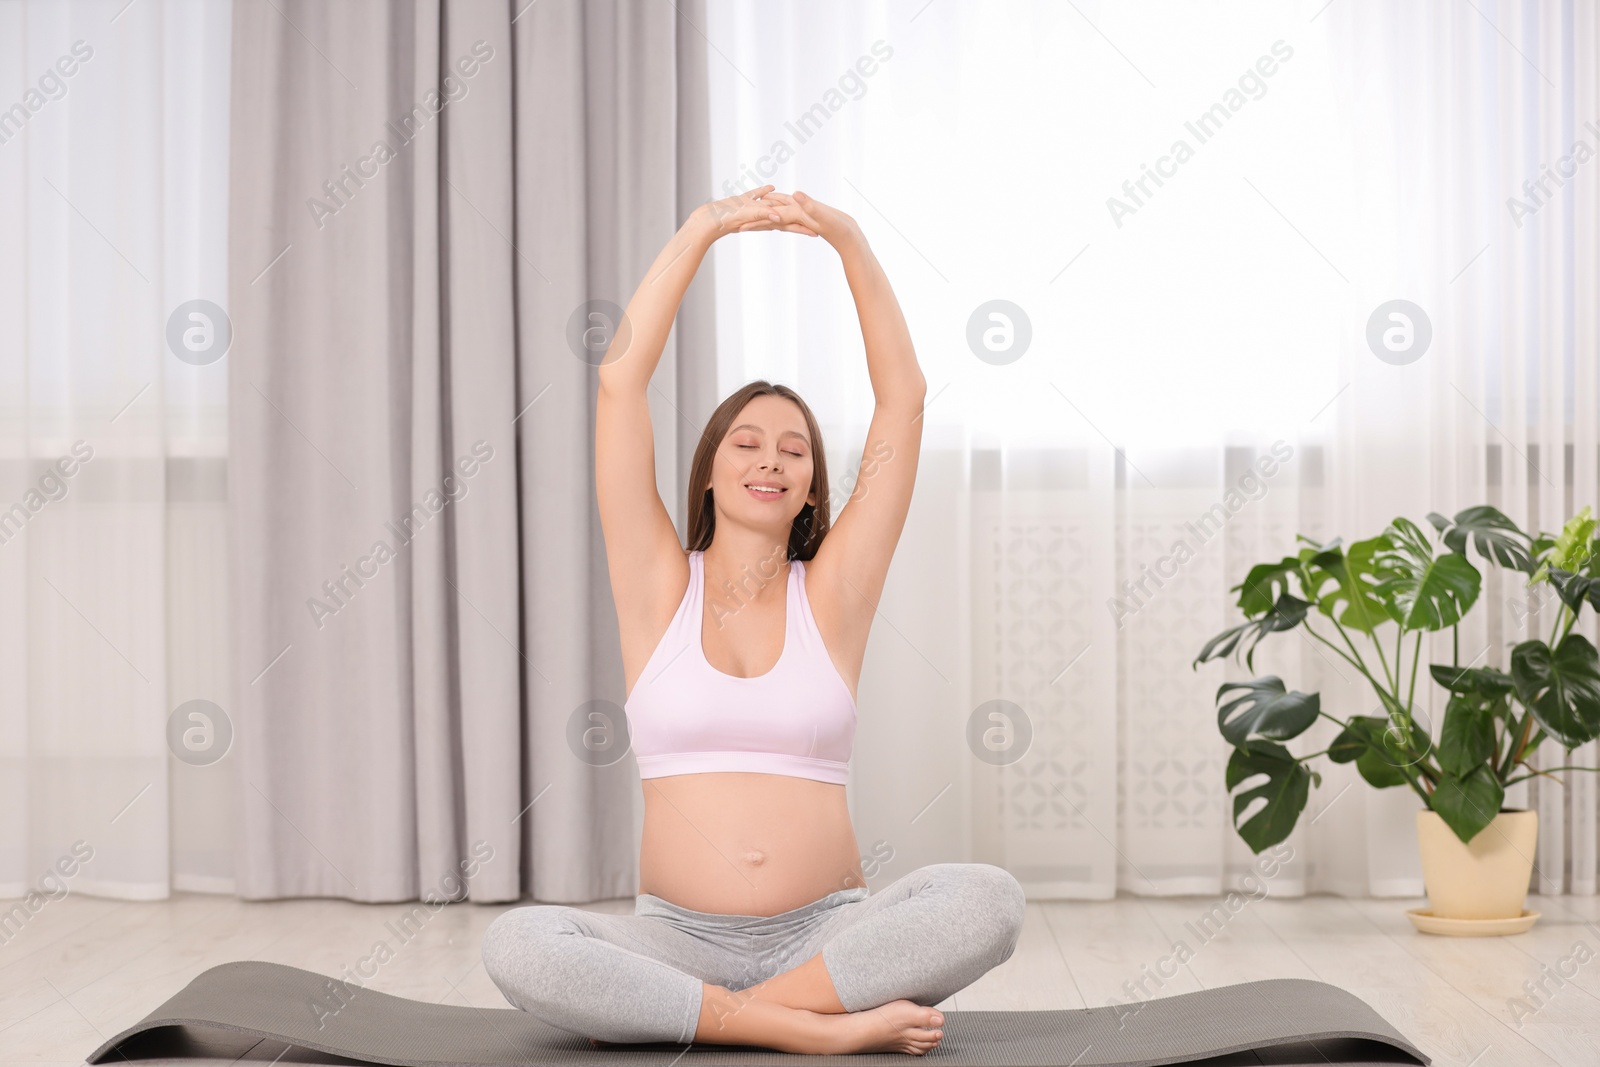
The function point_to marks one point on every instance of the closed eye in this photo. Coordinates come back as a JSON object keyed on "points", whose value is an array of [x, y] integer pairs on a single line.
{"points": [[796, 455]]}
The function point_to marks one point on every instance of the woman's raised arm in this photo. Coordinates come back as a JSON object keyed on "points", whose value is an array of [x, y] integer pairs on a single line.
{"points": [[642, 550], [853, 560]]}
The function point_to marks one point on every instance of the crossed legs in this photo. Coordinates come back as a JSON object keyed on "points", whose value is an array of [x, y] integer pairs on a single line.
{"points": [[870, 970]]}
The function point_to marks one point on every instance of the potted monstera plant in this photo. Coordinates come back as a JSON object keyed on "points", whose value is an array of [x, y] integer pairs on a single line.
{"points": [[1476, 855]]}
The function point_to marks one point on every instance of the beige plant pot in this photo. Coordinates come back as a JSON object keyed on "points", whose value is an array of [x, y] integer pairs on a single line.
{"points": [[1486, 878]]}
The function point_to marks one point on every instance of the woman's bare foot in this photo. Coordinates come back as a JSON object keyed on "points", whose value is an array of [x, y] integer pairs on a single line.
{"points": [[898, 1026], [728, 1018]]}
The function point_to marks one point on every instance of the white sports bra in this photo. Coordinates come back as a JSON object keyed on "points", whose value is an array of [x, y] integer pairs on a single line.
{"points": [[687, 717]]}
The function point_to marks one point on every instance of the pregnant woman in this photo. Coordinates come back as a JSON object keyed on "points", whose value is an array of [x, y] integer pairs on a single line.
{"points": [[754, 924]]}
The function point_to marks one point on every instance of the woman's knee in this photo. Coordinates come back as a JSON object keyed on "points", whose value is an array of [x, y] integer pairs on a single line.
{"points": [[996, 902], [1011, 907], [517, 946]]}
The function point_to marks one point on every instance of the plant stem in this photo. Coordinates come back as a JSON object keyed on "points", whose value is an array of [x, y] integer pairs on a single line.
{"points": [[1424, 794], [1503, 764], [1416, 658], [1361, 666], [1399, 658], [1384, 663], [1536, 771], [1428, 774], [1516, 749], [1354, 663], [1571, 617]]}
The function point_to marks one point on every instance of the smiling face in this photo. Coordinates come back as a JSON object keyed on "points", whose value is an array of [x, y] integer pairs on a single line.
{"points": [[767, 448]]}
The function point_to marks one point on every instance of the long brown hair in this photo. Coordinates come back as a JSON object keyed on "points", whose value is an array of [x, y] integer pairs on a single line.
{"points": [[810, 526]]}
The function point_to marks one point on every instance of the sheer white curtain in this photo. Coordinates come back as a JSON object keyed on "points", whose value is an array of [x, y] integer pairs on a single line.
{"points": [[1194, 390], [113, 167]]}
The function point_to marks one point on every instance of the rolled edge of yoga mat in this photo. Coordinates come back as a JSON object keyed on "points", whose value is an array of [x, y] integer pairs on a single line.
{"points": [[314, 1011]]}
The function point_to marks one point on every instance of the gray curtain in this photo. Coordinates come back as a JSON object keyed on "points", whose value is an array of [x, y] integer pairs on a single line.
{"points": [[422, 195]]}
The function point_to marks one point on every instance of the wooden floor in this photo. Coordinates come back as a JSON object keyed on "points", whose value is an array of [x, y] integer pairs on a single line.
{"points": [[82, 969]]}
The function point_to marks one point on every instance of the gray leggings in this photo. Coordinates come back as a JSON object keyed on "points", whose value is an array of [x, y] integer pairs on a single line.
{"points": [[635, 978]]}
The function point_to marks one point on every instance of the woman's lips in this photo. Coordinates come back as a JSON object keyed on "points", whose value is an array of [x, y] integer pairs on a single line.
{"points": [[767, 497]]}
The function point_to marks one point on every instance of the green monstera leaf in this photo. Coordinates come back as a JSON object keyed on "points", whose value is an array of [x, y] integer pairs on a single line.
{"points": [[1466, 740], [1424, 591], [1486, 682], [1561, 687], [1289, 613], [1467, 803], [1574, 589], [1287, 787], [1494, 536], [1374, 745], [1352, 740], [1355, 578], [1572, 549], [1265, 710], [1266, 585]]}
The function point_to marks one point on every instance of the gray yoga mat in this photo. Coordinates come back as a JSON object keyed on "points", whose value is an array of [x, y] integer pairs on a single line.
{"points": [[251, 1009]]}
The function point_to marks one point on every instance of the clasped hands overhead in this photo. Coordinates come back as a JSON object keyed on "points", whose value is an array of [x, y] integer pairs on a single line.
{"points": [[767, 209]]}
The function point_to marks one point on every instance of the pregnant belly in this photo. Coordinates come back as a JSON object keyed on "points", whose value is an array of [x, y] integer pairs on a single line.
{"points": [[739, 843]]}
